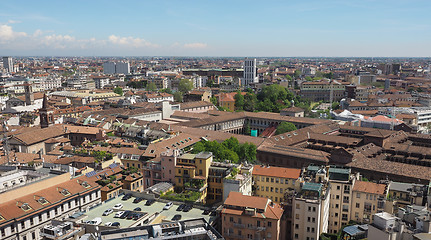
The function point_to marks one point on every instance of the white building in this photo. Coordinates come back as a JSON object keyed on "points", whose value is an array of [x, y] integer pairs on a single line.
{"points": [[100, 82], [8, 64], [250, 72], [241, 182], [385, 227]]}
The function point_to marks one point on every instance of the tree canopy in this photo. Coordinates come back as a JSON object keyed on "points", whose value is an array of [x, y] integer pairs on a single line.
{"points": [[151, 87], [178, 96], [118, 91], [285, 127], [229, 149], [185, 85]]}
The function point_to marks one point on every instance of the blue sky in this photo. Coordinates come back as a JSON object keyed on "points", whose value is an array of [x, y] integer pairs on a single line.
{"points": [[350, 28]]}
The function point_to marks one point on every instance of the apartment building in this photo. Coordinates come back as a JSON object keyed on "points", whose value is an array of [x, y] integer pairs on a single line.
{"points": [[342, 182], [239, 180], [251, 217], [192, 171], [368, 198], [320, 90], [29, 211], [274, 182], [310, 210]]}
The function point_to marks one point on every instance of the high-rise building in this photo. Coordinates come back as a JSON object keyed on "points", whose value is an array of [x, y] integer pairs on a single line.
{"points": [[250, 72], [109, 68], [8, 64], [122, 67], [116, 67]]}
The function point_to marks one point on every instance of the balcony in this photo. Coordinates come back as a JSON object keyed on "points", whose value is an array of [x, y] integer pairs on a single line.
{"points": [[232, 235]]}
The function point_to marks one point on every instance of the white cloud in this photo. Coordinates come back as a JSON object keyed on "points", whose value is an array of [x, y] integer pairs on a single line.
{"points": [[7, 34], [58, 41], [195, 45], [13, 21], [130, 41]]}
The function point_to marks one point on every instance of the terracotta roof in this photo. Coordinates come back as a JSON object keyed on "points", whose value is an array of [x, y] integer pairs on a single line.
{"points": [[12, 209], [272, 211], [293, 109], [34, 135], [369, 187], [280, 172]]}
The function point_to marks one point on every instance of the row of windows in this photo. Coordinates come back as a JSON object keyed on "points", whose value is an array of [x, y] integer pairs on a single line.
{"points": [[276, 180]]}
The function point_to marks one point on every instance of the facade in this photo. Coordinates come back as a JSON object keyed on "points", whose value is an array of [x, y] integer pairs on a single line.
{"points": [[100, 82], [368, 198], [8, 64], [122, 68], [250, 72], [274, 182], [310, 210], [251, 217], [240, 182], [321, 90], [26, 215], [109, 67]]}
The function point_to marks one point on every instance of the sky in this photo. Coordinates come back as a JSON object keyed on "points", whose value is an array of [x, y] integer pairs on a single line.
{"points": [[285, 28]]}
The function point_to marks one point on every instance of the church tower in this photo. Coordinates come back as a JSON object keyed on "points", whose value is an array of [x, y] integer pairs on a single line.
{"points": [[29, 97], [46, 114]]}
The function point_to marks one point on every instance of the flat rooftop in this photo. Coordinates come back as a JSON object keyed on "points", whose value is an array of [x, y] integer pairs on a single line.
{"points": [[128, 205]]}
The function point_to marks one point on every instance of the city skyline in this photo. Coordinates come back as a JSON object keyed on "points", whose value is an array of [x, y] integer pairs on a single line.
{"points": [[195, 28]]}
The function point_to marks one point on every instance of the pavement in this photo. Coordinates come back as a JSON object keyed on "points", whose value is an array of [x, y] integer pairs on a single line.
{"points": [[164, 216]]}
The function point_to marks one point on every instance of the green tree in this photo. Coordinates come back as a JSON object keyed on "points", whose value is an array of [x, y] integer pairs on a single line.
{"points": [[285, 127], [213, 100], [250, 102], [166, 90], [118, 91], [289, 78], [329, 75], [308, 78], [297, 74], [185, 85], [178, 96], [239, 101], [151, 87]]}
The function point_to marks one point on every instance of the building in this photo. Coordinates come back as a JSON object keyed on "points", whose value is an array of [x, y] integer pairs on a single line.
{"points": [[368, 198], [116, 68], [310, 209], [239, 180], [292, 111], [321, 90], [109, 67], [342, 182], [101, 81], [29, 210], [122, 68], [250, 72], [191, 172], [251, 217], [274, 182], [8, 64], [187, 229], [403, 194], [385, 227]]}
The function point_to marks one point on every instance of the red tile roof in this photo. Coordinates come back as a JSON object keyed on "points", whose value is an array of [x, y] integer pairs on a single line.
{"points": [[280, 172]]}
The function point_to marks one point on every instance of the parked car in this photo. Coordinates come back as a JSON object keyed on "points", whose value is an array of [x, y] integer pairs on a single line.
{"points": [[168, 206], [137, 200], [149, 202], [125, 214], [130, 216], [181, 207], [115, 224], [137, 216], [187, 208], [177, 217], [126, 197], [137, 209], [118, 214], [95, 221], [118, 206], [107, 212]]}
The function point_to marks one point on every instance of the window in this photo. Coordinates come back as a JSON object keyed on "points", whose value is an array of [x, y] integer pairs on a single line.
{"points": [[313, 220], [297, 206], [338, 187], [296, 226], [296, 236], [308, 229], [231, 219], [312, 230], [296, 216], [269, 224], [308, 219], [357, 205], [358, 195]]}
